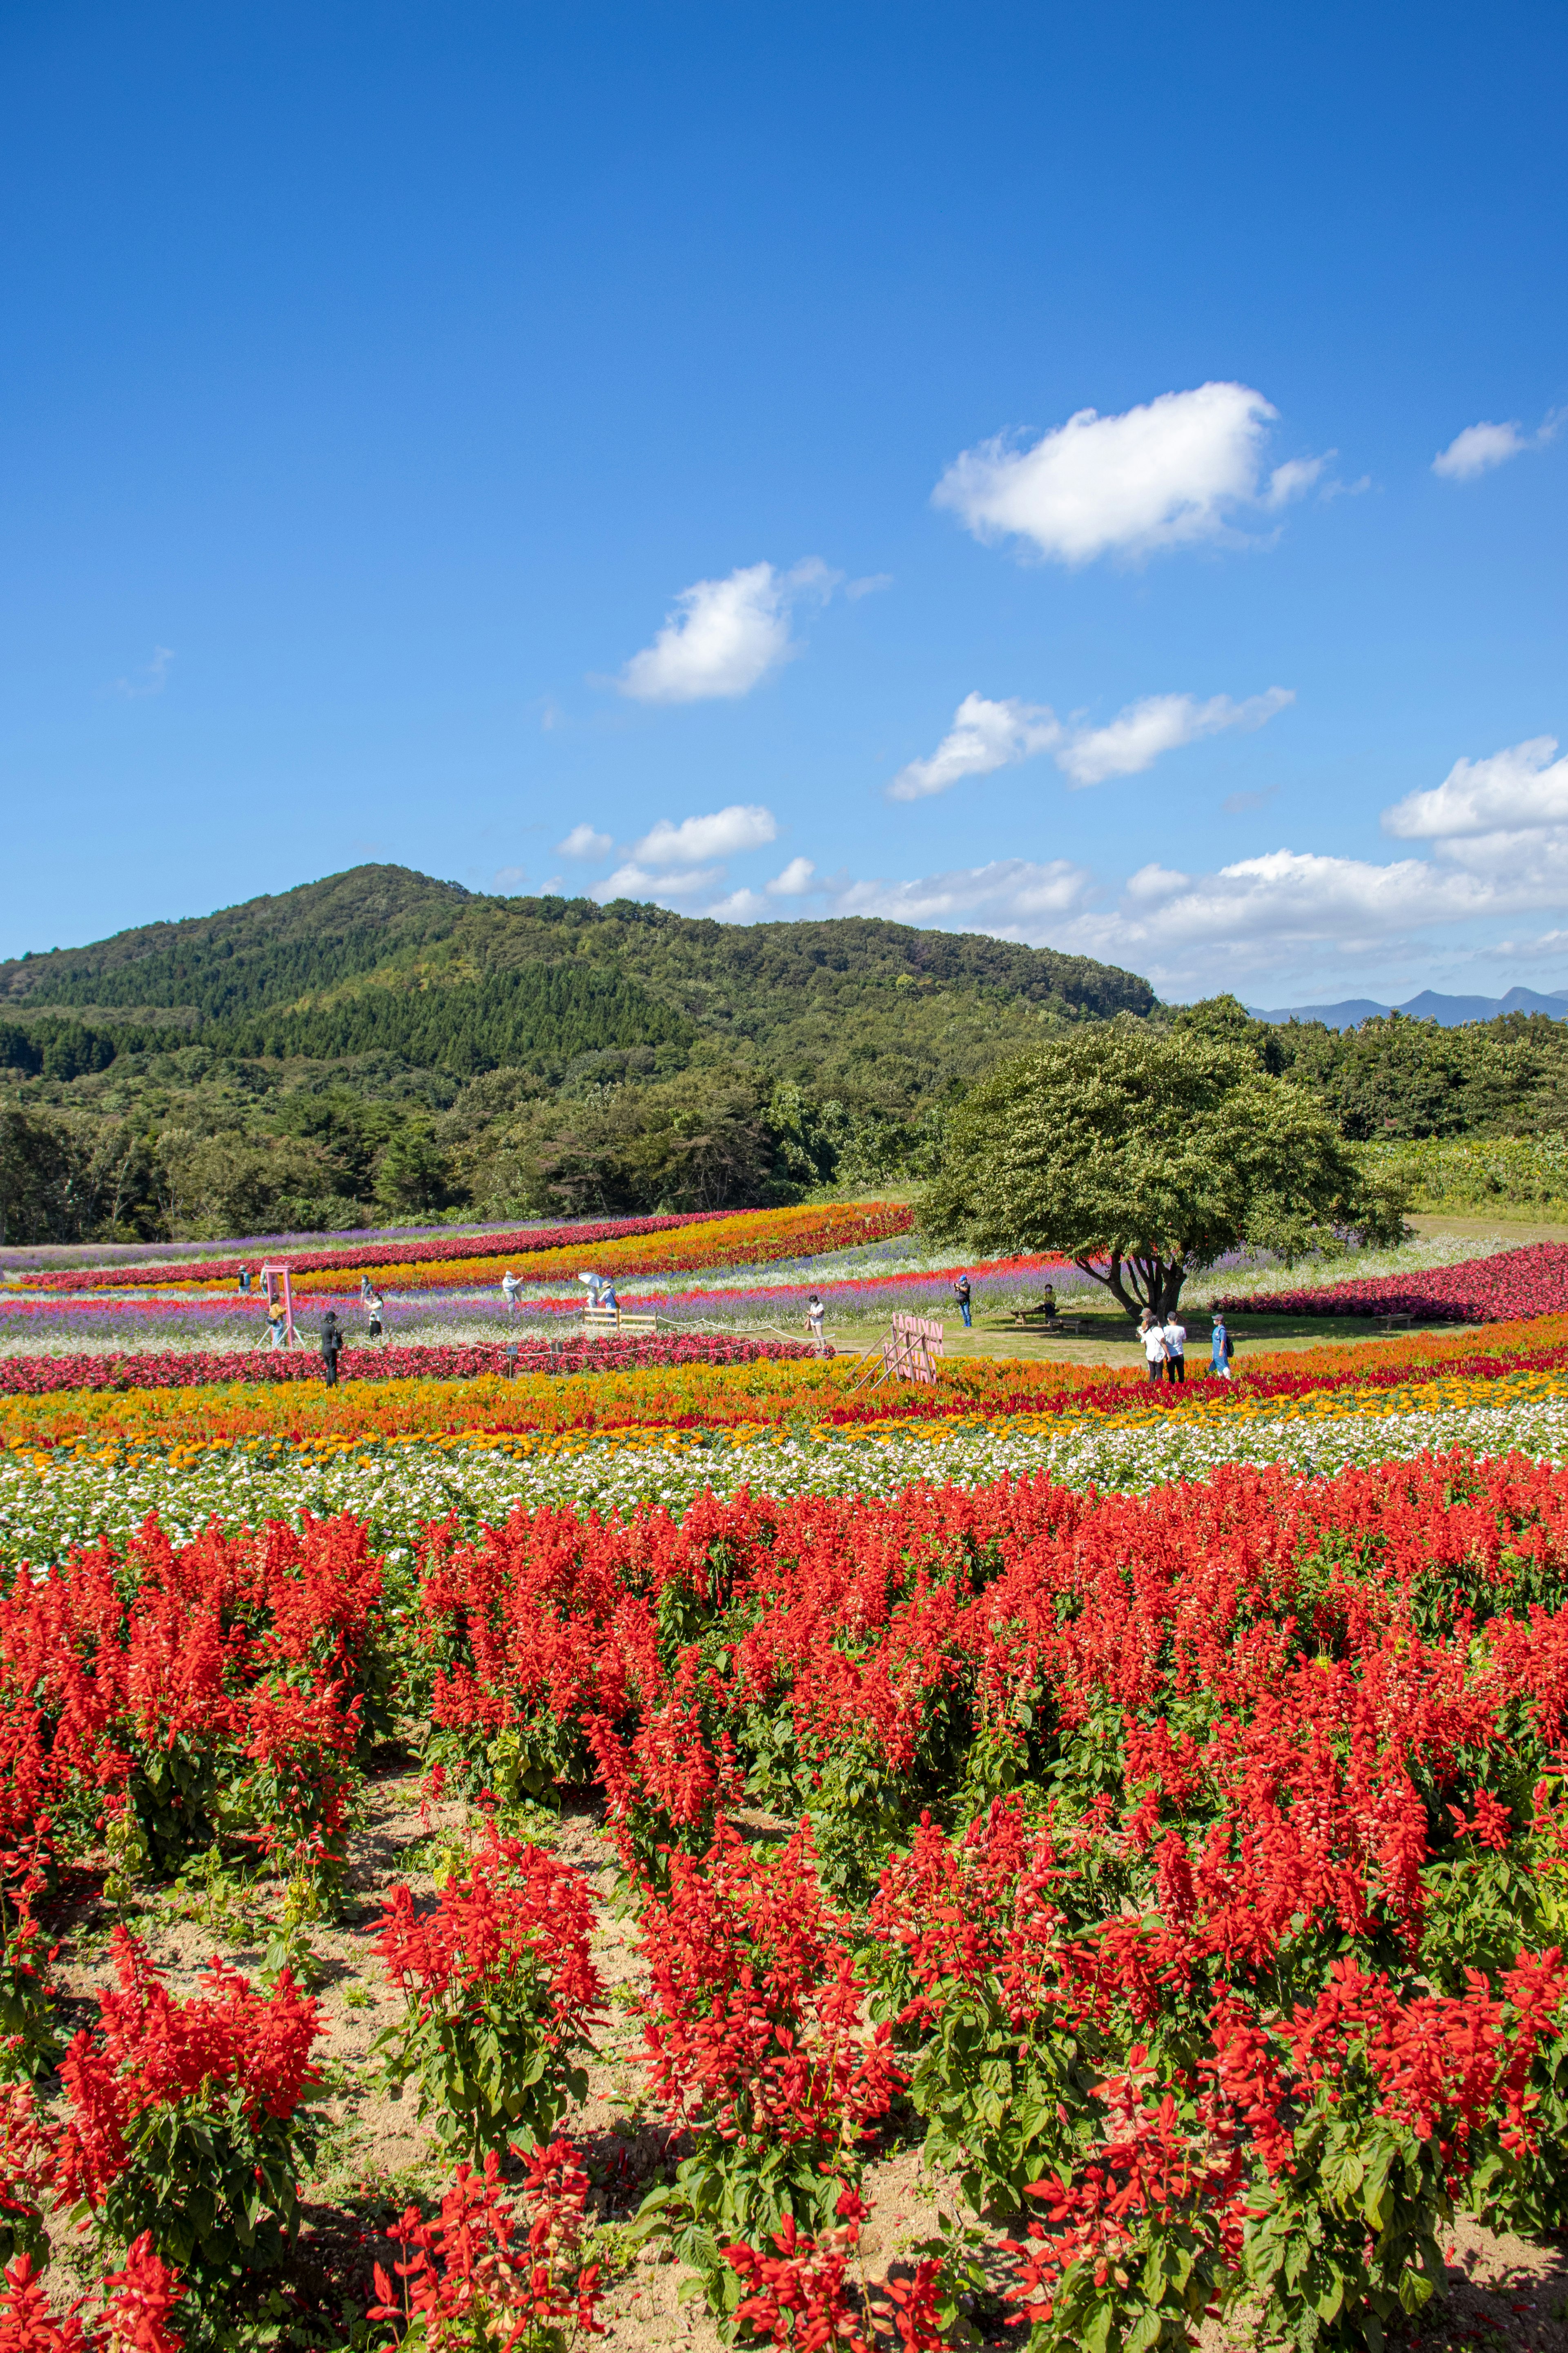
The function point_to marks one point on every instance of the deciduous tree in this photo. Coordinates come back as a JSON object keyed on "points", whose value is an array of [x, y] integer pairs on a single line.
{"points": [[1145, 1155]]}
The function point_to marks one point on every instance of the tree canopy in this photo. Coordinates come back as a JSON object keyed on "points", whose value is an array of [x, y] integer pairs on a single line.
{"points": [[1144, 1155]]}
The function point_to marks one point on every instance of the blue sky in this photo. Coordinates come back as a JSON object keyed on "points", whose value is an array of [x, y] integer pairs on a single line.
{"points": [[974, 465]]}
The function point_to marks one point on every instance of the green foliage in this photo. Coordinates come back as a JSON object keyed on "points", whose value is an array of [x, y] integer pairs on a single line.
{"points": [[1144, 1155], [381, 1045], [1508, 1172], [497, 1994], [216, 2183], [1398, 1077]]}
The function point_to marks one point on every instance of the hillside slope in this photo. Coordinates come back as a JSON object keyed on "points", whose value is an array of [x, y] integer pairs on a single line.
{"points": [[384, 1041]]}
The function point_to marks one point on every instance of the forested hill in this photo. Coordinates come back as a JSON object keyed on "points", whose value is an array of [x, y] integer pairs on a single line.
{"points": [[380, 960], [380, 1044]]}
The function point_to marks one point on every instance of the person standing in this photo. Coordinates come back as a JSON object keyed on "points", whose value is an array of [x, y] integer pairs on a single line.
{"points": [[1175, 1339], [373, 1306], [509, 1287], [814, 1312], [607, 1304], [332, 1346], [1152, 1335], [277, 1328], [364, 1290], [1221, 1350], [244, 1280], [961, 1293]]}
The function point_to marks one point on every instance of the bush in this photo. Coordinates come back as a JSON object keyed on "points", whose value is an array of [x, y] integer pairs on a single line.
{"points": [[499, 1991], [186, 2121], [527, 2290], [754, 2043]]}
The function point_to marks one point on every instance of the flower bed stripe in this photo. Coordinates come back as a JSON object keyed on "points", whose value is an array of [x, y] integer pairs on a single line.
{"points": [[46, 1375], [1529, 1282], [434, 1252]]}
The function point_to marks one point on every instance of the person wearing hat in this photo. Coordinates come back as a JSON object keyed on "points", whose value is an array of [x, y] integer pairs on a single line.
{"points": [[332, 1346], [1222, 1348]]}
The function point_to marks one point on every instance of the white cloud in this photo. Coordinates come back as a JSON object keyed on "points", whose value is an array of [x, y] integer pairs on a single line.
{"points": [[510, 878], [737, 907], [635, 882], [695, 838], [1294, 479], [1298, 922], [1515, 791], [1481, 447], [798, 877], [724, 635], [584, 842], [984, 735], [1162, 476], [987, 735], [1162, 722], [1012, 897], [150, 680]]}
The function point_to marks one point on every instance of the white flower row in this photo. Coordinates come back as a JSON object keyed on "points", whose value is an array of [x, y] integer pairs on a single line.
{"points": [[45, 1510]]}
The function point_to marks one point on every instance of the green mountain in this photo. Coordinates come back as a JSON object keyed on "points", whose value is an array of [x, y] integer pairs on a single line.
{"points": [[381, 1040]]}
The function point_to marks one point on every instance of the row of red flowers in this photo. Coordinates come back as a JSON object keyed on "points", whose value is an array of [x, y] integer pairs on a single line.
{"points": [[1242, 1832], [431, 1251], [1529, 1282], [195, 1368]]}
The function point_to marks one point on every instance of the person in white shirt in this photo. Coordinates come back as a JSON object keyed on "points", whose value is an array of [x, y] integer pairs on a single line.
{"points": [[509, 1287], [1152, 1335], [1175, 1339]]}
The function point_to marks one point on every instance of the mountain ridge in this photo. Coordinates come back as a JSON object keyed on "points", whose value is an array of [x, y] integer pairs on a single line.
{"points": [[1449, 1012]]}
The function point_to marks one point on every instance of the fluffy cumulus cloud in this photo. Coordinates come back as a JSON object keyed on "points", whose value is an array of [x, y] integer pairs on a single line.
{"points": [[1280, 928], [584, 842], [684, 887], [1012, 897], [1170, 473], [1498, 831], [1518, 790], [984, 735], [987, 735], [696, 838], [724, 636], [679, 865], [1481, 447], [798, 877], [1162, 722]]}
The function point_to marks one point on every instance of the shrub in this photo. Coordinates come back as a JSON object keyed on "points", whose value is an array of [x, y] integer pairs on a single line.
{"points": [[186, 2120], [754, 2043], [499, 1993], [508, 2291], [130, 2314]]}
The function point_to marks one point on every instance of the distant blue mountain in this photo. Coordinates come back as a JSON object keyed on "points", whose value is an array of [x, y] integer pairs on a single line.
{"points": [[1447, 1012]]}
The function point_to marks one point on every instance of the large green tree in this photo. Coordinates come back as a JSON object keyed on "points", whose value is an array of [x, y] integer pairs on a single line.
{"points": [[1144, 1155]]}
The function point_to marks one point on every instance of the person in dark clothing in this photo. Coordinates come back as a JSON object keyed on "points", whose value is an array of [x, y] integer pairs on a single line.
{"points": [[961, 1293], [332, 1346], [243, 1279]]}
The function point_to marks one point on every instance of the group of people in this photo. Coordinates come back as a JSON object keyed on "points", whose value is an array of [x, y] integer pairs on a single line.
{"points": [[1165, 1347], [334, 1338]]}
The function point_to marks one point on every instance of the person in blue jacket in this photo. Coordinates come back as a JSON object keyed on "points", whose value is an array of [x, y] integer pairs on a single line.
{"points": [[1221, 1349]]}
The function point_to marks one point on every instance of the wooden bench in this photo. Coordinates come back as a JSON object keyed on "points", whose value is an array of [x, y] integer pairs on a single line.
{"points": [[609, 1320], [1394, 1322]]}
